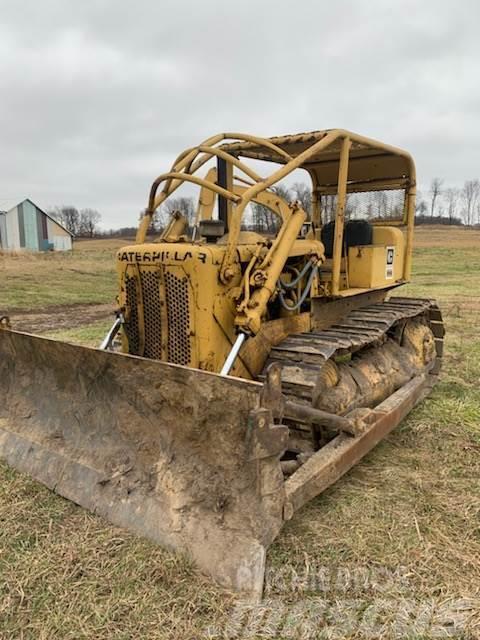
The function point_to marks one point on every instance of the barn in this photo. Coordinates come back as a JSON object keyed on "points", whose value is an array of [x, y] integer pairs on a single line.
{"points": [[28, 227]]}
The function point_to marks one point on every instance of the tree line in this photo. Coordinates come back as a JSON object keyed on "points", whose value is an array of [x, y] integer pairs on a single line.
{"points": [[80, 222], [259, 218], [457, 205], [439, 205]]}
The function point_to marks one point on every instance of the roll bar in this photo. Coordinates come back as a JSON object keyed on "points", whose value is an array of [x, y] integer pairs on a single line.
{"points": [[341, 153]]}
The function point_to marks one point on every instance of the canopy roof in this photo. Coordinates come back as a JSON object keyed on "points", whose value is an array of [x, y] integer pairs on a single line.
{"points": [[372, 164]]}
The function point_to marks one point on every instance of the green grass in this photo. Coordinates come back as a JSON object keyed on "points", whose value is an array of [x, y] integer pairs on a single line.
{"points": [[414, 501], [407, 517], [89, 336], [67, 574], [448, 274], [36, 281]]}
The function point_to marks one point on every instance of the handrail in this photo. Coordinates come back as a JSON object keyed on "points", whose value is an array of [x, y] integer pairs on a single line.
{"points": [[178, 175], [219, 153], [189, 155], [176, 178]]}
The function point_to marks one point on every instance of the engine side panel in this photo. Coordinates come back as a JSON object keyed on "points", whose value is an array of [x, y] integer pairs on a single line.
{"points": [[175, 307]]}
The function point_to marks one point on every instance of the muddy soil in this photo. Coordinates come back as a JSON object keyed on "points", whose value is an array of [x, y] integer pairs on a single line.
{"points": [[60, 317]]}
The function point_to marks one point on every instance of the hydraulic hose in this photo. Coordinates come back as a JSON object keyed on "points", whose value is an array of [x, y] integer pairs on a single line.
{"points": [[293, 283], [304, 293]]}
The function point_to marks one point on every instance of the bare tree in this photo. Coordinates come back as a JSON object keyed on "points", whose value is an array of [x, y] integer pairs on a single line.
{"points": [[88, 223], [470, 196], [55, 213], [282, 191], [264, 219], [420, 204], [380, 201], [159, 220], [185, 205], [452, 196], [68, 216], [329, 206], [303, 193], [421, 207], [435, 191]]}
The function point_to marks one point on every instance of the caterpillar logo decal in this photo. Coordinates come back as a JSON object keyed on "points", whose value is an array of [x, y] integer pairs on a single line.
{"points": [[160, 256], [390, 257]]}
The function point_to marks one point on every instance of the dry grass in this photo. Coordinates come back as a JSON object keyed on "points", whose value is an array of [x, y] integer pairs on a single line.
{"points": [[435, 235], [86, 275], [407, 519], [35, 281], [67, 574], [30, 281], [102, 244]]}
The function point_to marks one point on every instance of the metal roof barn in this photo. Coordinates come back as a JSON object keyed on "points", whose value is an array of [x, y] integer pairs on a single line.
{"points": [[27, 227]]}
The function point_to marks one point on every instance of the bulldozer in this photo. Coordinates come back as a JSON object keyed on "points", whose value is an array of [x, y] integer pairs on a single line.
{"points": [[250, 365]]}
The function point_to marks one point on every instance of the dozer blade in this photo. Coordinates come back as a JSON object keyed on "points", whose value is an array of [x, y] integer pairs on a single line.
{"points": [[187, 458]]}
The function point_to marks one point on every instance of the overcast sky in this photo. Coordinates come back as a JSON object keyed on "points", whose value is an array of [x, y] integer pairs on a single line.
{"points": [[99, 96]]}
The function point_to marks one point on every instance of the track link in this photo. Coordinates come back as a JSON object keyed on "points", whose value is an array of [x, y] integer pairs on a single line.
{"points": [[302, 356]]}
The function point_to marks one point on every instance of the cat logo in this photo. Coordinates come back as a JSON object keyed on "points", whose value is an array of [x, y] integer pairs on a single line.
{"points": [[390, 255]]}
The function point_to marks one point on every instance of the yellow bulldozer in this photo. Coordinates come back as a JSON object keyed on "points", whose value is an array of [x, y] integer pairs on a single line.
{"points": [[257, 364]]}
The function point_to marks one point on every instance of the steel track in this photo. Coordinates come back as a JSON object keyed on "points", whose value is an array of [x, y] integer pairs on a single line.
{"points": [[302, 356]]}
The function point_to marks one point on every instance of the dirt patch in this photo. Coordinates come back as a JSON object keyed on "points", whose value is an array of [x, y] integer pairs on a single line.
{"points": [[60, 317]]}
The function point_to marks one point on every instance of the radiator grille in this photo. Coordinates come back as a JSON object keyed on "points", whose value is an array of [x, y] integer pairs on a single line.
{"points": [[131, 326], [152, 314], [178, 316], [178, 311]]}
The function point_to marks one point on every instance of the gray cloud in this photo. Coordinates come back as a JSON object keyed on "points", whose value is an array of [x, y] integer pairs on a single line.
{"points": [[98, 97]]}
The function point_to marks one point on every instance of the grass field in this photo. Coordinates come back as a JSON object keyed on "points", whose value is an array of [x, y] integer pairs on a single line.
{"points": [[392, 550]]}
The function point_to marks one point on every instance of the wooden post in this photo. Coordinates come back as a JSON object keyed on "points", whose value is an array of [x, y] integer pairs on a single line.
{"points": [[340, 214]]}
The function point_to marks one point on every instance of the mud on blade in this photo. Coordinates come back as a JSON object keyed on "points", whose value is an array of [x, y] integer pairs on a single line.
{"points": [[189, 459], [186, 458]]}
